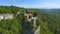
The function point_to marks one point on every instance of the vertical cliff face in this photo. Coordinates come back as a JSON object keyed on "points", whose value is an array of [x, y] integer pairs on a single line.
{"points": [[26, 29]]}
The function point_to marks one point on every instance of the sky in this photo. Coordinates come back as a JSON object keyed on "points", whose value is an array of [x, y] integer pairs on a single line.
{"points": [[32, 3]]}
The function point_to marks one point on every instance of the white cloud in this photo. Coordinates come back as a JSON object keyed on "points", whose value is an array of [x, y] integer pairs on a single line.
{"points": [[5, 4], [50, 5], [45, 5]]}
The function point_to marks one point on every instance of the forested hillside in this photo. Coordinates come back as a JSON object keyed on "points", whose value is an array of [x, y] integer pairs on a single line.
{"points": [[49, 21]]}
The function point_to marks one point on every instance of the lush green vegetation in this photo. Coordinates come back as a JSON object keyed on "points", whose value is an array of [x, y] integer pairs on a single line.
{"points": [[49, 21]]}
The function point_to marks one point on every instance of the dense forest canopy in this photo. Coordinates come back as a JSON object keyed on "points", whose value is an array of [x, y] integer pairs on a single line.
{"points": [[48, 20]]}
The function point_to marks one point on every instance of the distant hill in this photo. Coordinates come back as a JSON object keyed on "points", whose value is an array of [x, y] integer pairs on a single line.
{"points": [[48, 19]]}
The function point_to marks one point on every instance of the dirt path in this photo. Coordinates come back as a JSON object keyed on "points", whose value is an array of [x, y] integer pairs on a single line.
{"points": [[37, 31]]}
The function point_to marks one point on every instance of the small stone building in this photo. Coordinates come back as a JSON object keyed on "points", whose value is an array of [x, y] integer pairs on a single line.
{"points": [[28, 14]]}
